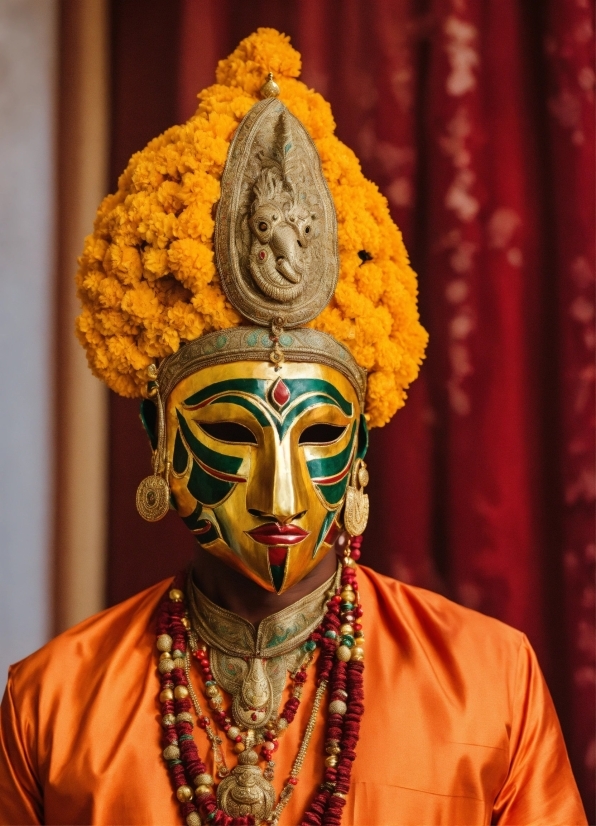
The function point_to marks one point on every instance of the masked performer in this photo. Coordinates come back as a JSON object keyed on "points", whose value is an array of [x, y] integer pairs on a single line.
{"points": [[249, 283]]}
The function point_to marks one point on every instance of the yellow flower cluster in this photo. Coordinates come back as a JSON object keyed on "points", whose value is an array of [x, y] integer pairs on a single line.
{"points": [[147, 278]]}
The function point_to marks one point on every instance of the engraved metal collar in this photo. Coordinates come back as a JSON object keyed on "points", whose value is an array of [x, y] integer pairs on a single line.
{"points": [[275, 636]]}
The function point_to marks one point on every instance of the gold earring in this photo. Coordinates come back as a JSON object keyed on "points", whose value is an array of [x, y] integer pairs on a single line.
{"points": [[153, 494], [357, 506]]}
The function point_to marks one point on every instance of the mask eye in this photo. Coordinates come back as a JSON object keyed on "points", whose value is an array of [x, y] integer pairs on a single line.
{"points": [[262, 226], [230, 432], [321, 434]]}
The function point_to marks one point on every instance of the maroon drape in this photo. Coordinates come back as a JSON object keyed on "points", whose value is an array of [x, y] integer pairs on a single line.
{"points": [[476, 119]]}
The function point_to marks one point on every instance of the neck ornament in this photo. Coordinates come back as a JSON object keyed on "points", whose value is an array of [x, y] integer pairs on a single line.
{"points": [[245, 797], [251, 664]]}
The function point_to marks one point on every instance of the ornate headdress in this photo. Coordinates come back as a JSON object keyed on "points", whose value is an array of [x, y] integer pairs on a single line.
{"points": [[148, 280]]}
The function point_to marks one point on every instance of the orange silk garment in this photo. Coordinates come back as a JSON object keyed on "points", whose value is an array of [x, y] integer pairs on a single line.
{"points": [[458, 726]]}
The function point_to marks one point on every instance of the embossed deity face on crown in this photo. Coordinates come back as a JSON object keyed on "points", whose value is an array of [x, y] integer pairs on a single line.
{"points": [[276, 233]]}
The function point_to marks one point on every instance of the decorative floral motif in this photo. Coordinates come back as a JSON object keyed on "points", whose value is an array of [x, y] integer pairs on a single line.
{"points": [[147, 278]]}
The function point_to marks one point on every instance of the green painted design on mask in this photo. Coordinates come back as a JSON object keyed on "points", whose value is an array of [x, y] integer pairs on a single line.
{"points": [[329, 466], [254, 387], [197, 525], [220, 462], [242, 401], [205, 482], [362, 438], [277, 575], [327, 522], [180, 457], [333, 494], [298, 387], [223, 391], [205, 488], [297, 410]]}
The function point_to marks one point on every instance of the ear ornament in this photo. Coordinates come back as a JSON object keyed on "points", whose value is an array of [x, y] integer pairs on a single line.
{"points": [[153, 494], [356, 508]]}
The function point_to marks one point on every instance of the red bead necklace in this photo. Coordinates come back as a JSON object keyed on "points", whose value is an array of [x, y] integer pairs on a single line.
{"points": [[340, 666]]}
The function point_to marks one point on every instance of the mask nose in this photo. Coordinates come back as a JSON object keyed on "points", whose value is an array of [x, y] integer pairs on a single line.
{"points": [[278, 489], [275, 517]]}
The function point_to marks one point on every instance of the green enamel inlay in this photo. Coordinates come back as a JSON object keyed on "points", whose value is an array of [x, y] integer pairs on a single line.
{"points": [[297, 410], [298, 387], [209, 536], [329, 466], [362, 438], [241, 401], [206, 488], [223, 391], [256, 387], [211, 458], [327, 521], [180, 457], [194, 523], [333, 493], [277, 575]]}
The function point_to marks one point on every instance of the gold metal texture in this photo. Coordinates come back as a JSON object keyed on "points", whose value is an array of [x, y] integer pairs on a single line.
{"points": [[357, 505], [245, 791], [300, 346], [270, 89], [271, 486], [251, 663], [153, 498], [276, 229]]}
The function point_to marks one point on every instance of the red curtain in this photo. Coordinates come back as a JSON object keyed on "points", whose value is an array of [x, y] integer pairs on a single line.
{"points": [[476, 119]]}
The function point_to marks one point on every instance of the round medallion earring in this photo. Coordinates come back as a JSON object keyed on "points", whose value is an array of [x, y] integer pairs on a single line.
{"points": [[357, 506], [153, 497], [153, 494]]}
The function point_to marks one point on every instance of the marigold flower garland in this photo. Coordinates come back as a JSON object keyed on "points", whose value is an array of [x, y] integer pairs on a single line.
{"points": [[147, 278], [340, 666]]}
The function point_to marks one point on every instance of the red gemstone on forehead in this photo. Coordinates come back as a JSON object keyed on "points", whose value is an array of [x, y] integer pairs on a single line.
{"points": [[281, 394], [262, 255]]}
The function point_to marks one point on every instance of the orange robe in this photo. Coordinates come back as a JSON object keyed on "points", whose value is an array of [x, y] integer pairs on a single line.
{"points": [[459, 727]]}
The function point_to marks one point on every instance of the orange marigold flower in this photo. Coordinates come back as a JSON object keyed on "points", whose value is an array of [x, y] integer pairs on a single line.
{"points": [[147, 278]]}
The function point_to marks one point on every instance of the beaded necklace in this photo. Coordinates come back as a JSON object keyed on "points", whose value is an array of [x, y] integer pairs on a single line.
{"points": [[236, 733], [339, 669]]}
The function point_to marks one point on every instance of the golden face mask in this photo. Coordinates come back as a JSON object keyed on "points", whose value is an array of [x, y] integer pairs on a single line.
{"points": [[260, 462]]}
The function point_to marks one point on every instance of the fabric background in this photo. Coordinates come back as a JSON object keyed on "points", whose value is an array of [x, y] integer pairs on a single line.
{"points": [[476, 119]]}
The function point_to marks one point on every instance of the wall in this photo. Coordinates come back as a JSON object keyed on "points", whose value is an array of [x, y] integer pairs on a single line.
{"points": [[28, 38]]}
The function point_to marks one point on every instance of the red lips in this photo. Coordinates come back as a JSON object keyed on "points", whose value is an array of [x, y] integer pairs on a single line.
{"points": [[272, 534]]}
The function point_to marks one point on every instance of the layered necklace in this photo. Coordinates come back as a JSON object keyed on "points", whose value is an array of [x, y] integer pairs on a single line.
{"points": [[251, 667]]}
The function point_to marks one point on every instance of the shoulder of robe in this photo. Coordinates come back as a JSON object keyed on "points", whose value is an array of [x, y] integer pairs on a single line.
{"points": [[415, 615], [127, 626]]}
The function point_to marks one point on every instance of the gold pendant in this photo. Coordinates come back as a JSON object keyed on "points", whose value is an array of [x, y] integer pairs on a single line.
{"points": [[356, 507], [245, 791], [153, 498]]}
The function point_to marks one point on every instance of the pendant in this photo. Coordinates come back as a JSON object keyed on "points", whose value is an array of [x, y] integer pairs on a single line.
{"points": [[245, 791], [256, 684]]}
